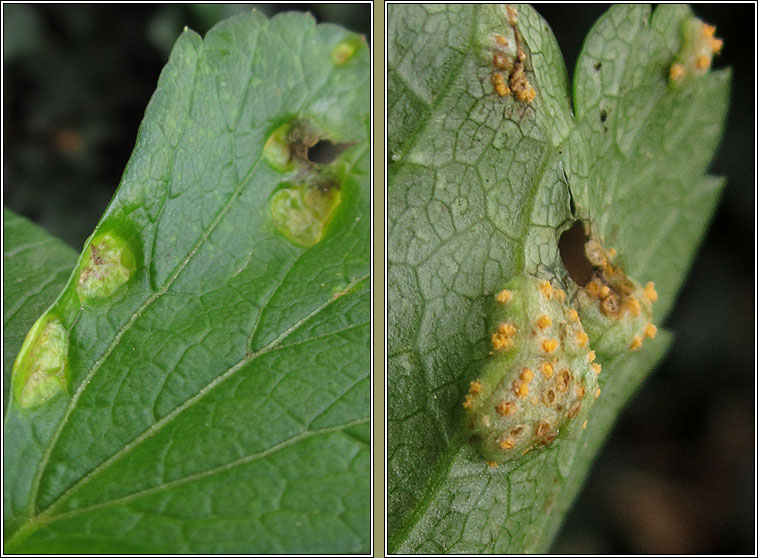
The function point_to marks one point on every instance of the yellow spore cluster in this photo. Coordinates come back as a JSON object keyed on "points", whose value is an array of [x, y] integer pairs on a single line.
{"points": [[615, 309], [538, 375], [699, 45], [509, 76]]}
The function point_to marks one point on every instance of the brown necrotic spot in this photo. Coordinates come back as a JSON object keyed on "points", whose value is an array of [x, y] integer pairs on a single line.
{"points": [[574, 410], [308, 144], [108, 263], [610, 305], [543, 427], [501, 61], [505, 408], [562, 380]]}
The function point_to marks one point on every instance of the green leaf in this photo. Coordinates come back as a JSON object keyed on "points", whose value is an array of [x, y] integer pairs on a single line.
{"points": [[480, 190], [36, 266], [214, 384], [646, 190]]}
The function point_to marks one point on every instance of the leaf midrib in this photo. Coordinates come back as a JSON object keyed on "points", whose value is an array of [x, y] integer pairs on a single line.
{"points": [[45, 519], [47, 516], [442, 468], [154, 429]]}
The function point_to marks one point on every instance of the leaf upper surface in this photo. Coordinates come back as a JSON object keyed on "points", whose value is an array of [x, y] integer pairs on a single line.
{"points": [[36, 266], [219, 400]]}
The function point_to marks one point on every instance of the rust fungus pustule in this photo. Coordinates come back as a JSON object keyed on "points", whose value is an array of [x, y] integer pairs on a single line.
{"points": [[615, 309], [508, 61], [538, 359], [698, 47]]}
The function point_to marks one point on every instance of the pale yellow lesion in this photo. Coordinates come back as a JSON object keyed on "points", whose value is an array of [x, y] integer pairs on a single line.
{"points": [[302, 212], [276, 150], [107, 264], [344, 50], [41, 367]]}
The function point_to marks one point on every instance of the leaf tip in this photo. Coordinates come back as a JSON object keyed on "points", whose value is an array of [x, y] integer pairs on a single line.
{"points": [[699, 46]]}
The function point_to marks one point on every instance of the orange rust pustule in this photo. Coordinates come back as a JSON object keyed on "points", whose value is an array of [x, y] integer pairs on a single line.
{"points": [[615, 293], [539, 378], [514, 79]]}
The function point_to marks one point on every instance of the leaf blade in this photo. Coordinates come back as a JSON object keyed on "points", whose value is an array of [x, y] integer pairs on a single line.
{"points": [[171, 361], [652, 143], [37, 266], [502, 157], [442, 499]]}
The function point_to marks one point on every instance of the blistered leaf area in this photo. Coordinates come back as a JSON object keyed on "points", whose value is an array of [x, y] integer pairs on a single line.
{"points": [[539, 375], [344, 50], [40, 371], [542, 371], [301, 213], [616, 310], [108, 264], [699, 45], [302, 206]]}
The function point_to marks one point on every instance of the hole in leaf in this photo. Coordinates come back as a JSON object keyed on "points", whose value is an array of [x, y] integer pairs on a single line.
{"points": [[571, 247], [324, 152]]}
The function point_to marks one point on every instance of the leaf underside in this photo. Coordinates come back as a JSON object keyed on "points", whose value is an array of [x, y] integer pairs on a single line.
{"points": [[218, 400], [479, 190]]}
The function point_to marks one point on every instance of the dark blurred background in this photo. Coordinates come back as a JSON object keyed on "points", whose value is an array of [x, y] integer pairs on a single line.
{"points": [[77, 80], [677, 474]]}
